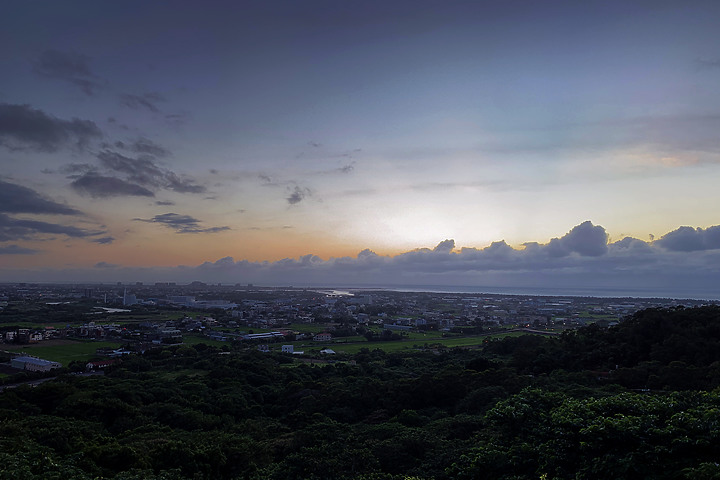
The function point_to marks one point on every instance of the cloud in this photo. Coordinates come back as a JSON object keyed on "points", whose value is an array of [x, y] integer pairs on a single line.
{"points": [[16, 250], [347, 168], [297, 195], [104, 240], [99, 186], [584, 239], [18, 199], [164, 203], [446, 246], [705, 63], [629, 267], [144, 171], [688, 239], [25, 128], [182, 223], [146, 101], [177, 120], [106, 265], [22, 229], [144, 146], [70, 67]]}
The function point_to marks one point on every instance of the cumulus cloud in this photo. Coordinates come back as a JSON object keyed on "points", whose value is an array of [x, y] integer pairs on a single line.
{"points": [[182, 223], [146, 101], [688, 239], [627, 267], [99, 186], [25, 128], [582, 258], [19, 199], [585, 239], [70, 67], [446, 246]]}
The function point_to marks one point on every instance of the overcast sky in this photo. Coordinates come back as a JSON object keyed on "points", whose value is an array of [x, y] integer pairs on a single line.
{"points": [[547, 143]]}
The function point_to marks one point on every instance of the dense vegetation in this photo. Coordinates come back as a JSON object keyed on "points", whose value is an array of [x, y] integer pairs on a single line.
{"points": [[639, 400]]}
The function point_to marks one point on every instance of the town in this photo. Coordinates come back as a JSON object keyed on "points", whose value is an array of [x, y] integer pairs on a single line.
{"points": [[124, 319]]}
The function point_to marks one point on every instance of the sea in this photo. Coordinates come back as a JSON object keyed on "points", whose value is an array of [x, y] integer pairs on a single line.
{"points": [[709, 294]]}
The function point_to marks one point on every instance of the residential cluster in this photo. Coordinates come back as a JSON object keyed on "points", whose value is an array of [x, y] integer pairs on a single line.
{"points": [[265, 315]]}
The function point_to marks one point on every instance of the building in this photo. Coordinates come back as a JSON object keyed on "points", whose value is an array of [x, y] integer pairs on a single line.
{"points": [[33, 364], [323, 337]]}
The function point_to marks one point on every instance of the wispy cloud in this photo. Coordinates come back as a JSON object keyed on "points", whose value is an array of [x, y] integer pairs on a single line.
{"points": [[142, 174], [143, 170], [100, 186], [104, 240], [106, 265], [19, 199], [16, 250], [12, 229], [70, 67], [182, 223], [146, 101], [25, 128]]}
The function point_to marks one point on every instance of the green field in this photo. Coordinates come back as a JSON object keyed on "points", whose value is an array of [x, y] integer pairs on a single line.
{"points": [[65, 353], [355, 344]]}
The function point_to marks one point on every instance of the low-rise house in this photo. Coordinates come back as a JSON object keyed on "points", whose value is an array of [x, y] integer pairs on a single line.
{"points": [[323, 337]]}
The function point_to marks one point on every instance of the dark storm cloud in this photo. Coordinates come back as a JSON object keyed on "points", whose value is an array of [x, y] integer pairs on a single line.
{"points": [[182, 223], [297, 195], [688, 239], [16, 250], [146, 101], [25, 128], [99, 186], [70, 67], [18, 199], [23, 229]]}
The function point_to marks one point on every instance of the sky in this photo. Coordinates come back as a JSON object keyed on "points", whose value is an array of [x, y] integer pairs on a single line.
{"points": [[493, 143]]}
